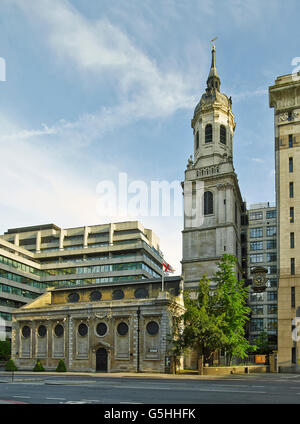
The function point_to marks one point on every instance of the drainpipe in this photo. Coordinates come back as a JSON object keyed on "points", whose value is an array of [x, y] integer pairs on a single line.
{"points": [[138, 339]]}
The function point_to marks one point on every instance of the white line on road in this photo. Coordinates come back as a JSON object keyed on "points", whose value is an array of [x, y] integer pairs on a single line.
{"points": [[24, 397], [56, 398]]}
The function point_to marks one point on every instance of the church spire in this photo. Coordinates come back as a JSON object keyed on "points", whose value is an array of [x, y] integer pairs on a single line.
{"points": [[213, 80]]}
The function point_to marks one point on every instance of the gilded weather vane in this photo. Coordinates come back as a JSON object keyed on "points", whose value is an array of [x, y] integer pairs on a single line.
{"points": [[213, 40]]}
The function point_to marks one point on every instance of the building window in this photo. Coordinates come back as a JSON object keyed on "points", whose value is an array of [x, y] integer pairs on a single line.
{"points": [[271, 257], [101, 329], [59, 330], [291, 190], [257, 324], [223, 134], [42, 331], [73, 297], [256, 258], [256, 245], [152, 328], [26, 331], [256, 232], [272, 309], [197, 140], [95, 296], [271, 214], [272, 295], [118, 294], [257, 297], [272, 269], [272, 282], [292, 214], [292, 297], [257, 309], [291, 167], [255, 215], [271, 244], [292, 266], [290, 140], [208, 133], [271, 231], [208, 203], [141, 293], [272, 324], [83, 330], [122, 329], [292, 240]]}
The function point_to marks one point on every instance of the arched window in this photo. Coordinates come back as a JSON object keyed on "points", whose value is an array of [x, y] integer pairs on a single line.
{"points": [[223, 134], [208, 203], [208, 133], [197, 140]]}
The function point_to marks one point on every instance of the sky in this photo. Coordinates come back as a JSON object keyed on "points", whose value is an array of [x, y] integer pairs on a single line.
{"points": [[92, 90]]}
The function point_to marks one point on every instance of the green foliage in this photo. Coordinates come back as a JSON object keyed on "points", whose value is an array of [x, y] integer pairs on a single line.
{"points": [[5, 350], [262, 343], [232, 303], [10, 365], [61, 367], [215, 318], [38, 366]]}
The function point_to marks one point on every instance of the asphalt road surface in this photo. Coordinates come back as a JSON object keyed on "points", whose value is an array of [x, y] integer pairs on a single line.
{"points": [[245, 389]]}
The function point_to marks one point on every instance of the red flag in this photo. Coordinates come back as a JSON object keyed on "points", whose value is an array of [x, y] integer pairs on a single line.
{"points": [[167, 267]]}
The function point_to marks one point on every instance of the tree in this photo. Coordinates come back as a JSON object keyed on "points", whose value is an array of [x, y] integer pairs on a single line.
{"points": [[5, 350], [215, 315], [38, 366], [10, 366], [202, 324], [61, 367], [231, 298]]}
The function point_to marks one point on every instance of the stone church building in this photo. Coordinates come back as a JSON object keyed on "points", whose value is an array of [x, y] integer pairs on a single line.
{"points": [[100, 327], [211, 187]]}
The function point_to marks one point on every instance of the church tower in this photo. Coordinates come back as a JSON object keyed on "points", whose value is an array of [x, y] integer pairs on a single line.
{"points": [[211, 190]]}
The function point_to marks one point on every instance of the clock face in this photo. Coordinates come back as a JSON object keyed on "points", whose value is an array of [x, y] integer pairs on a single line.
{"points": [[260, 280]]}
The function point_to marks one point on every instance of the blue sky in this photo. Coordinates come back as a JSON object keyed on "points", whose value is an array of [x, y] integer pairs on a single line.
{"points": [[94, 88]]}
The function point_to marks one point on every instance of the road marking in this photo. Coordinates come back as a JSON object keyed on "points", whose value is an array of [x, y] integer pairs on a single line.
{"points": [[24, 397], [192, 389], [56, 398]]}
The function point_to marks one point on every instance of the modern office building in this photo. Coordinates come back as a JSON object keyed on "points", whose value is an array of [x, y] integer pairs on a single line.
{"points": [[284, 97], [34, 258], [213, 202], [260, 241]]}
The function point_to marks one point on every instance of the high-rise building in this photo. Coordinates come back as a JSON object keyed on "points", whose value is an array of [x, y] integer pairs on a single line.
{"points": [[211, 189], [34, 258], [284, 97], [260, 239]]}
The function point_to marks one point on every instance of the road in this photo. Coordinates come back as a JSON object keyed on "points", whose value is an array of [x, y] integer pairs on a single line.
{"points": [[245, 389]]}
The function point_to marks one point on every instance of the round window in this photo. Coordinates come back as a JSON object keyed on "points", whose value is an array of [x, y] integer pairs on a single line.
{"points": [[73, 297], [141, 293], [26, 331], [42, 331], [95, 295], [59, 330], [101, 329], [122, 329], [152, 328], [83, 329], [118, 294]]}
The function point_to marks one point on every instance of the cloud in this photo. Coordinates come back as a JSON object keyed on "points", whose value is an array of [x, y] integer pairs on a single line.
{"points": [[99, 48]]}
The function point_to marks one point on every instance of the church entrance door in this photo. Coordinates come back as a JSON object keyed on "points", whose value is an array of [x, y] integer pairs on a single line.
{"points": [[101, 360]]}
